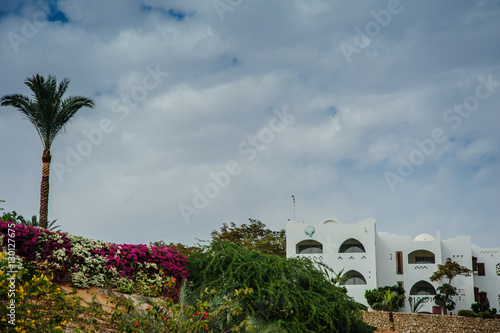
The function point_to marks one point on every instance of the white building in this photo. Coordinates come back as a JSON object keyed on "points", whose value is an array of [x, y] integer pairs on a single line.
{"points": [[372, 259]]}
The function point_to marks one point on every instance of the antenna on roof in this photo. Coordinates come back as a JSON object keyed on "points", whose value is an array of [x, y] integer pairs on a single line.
{"points": [[293, 198]]}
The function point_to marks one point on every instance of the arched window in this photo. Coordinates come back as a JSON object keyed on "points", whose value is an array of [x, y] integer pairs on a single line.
{"points": [[354, 278], [309, 246], [422, 288], [421, 257], [351, 245]]}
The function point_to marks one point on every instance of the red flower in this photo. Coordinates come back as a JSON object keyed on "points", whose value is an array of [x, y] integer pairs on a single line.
{"points": [[136, 324]]}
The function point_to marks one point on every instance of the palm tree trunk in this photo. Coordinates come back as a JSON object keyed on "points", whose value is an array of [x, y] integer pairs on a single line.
{"points": [[391, 320], [44, 189]]}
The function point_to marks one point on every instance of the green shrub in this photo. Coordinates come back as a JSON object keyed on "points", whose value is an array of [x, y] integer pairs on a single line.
{"points": [[486, 314], [36, 304], [480, 307], [289, 291], [377, 295], [125, 285], [466, 313], [203, 311]]}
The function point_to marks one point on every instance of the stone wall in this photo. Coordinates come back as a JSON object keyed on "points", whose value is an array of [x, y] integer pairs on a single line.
{"points": [[427, 323]]}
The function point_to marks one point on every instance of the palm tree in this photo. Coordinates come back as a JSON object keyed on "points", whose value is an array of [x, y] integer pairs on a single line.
{"points": [[49, 113], [50, 225], [417, 303], [391, 301]]}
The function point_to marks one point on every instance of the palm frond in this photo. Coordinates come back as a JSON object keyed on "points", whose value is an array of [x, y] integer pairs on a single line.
{"points": [[68, 108], [46, 109]]}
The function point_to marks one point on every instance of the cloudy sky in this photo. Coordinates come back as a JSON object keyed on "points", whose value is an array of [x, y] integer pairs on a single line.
{"points": [[219, 111]]}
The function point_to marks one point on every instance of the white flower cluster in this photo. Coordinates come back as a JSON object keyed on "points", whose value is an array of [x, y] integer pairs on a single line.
{"points": [[10, 265]]}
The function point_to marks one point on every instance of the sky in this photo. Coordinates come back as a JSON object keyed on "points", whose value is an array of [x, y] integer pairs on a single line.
{"points": [[218, 111]]}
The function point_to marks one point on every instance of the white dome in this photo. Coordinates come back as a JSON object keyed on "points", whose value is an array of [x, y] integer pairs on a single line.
{"points": [[332, 220], [424, 237]]}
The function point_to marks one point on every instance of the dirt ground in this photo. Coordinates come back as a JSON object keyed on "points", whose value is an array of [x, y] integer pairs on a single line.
{"points": [[87, 295]]}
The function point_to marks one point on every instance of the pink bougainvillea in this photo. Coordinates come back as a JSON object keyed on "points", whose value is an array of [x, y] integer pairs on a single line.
{"points": [[64, 253]]}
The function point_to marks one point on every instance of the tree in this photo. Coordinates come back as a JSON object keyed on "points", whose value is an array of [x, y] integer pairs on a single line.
{"points": [[449, 270], [445, 297], [338, 279], [183, 249], [49, 113], [19, 219], [388, 298], [291, 291], [390, 301], [253, 236], [416, 303], [34, 223], [378, 294]]}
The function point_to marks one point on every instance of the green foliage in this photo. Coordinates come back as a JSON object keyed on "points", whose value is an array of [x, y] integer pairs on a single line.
{"points": [[253, 236], [480, 307], [195, 312], [183, 249], [50, 226], [449, 270], [47, 111], [377, 295], [12, 217], [125, 285], [466, 313], [40, 305], [416, 303], [486, 315], [483, 310], [292, 292], [445, 297], [391, 301], [19, 219], [338, 279]]}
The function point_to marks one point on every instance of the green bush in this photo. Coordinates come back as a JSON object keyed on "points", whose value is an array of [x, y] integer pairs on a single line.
{"points": [[292, 292], [466, 313], [205, 311], [31, 302], [480, 307], [378, 294], [486, 314]]}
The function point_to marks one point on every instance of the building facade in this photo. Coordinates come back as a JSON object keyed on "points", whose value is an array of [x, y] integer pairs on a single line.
{"points": [[371, 259]]}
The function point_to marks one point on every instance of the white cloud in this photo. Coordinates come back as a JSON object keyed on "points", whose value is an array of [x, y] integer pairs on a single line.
{"points": [[353, 121]]}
